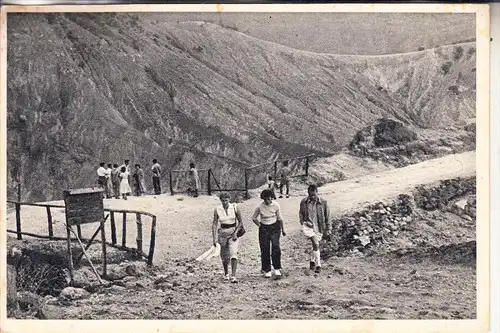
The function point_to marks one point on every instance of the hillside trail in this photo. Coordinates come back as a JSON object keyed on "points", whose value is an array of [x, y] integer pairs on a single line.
{"points": [[184, 226], [348, 288], [184, 223]]}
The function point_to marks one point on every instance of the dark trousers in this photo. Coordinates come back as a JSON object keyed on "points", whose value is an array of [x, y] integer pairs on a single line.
{"points": [[156, 185], [287, 184], [269, 241], [116, 189]]}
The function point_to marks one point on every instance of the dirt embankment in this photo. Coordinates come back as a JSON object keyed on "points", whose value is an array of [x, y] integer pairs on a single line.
{"points": [[399, 145]]}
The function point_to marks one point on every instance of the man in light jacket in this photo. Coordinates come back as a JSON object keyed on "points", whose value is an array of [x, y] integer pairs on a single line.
{"points": [[314, 216]]}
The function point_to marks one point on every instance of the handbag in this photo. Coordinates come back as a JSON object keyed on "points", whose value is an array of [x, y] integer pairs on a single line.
{"points": [[242, 230]]}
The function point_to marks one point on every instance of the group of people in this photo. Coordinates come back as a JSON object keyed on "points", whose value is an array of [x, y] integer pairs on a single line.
{"points": [[314, 216], [115, 180], [284, 174]]}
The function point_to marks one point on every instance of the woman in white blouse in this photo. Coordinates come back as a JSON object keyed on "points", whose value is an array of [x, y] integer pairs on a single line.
{"points": [[227, 221], [270, 229]]}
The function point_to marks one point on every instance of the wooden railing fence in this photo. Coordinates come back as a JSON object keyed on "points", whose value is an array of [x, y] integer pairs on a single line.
{"points": [[138, 250]]}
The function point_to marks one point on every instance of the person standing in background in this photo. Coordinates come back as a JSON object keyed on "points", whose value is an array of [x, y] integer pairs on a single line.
{"points": [[126, 165], [140, 187], [115, 179], [124, 184], [194, 184], [156, 169], [101, 176], [271, 185], [109, 183], [285, 179]]}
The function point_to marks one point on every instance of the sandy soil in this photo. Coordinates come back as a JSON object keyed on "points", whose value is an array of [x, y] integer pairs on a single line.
{"points": [[350, 287]]}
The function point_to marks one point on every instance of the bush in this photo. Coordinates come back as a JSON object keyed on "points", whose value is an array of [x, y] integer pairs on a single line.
{"points": [[453, 89], [389, 132], [458, 52], [40, 277], [446, 67]]}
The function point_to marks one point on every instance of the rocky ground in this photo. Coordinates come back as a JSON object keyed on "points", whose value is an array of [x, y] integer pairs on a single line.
{"points": [[424, 269]]}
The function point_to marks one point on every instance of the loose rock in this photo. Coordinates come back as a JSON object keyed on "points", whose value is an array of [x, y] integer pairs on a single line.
{"points": [[74, 293]]}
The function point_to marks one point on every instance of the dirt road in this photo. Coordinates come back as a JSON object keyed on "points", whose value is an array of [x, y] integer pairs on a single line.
{"points": [[348, 288]]}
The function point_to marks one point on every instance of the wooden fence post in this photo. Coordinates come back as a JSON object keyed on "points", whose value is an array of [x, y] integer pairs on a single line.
{"points": [[113, 228], [275, 170], [171, 183], [18, 221], [152, 241], [307, 166], [139, 233], [104, 254], [124, 230], [18, 192], [209, 185], [79, 230], [70, 253], [49, 221], [246, 184]]}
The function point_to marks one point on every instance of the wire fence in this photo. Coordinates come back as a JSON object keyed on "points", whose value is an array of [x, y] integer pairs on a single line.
{"points": [[241, 180], [186, 181]]}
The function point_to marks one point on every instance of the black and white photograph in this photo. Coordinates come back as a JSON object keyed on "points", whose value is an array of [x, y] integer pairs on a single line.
{"points": [[245, 165]]}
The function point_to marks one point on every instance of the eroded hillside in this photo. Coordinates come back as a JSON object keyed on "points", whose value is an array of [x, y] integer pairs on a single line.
{"points": [[105, 87]]}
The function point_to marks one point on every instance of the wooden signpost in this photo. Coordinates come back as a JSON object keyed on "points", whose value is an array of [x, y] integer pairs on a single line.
{"points": [[85, 206]]}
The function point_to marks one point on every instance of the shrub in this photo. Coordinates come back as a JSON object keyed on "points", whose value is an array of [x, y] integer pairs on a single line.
{"points": [[389, 132], [453, 89], [458, 52], [446, 67]]}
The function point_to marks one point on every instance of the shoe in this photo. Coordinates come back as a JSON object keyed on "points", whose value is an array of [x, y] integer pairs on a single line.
{"points": [[268, 274], [317, 270], [312, 265], [233, 279], [287, 196], [227, 277], [281, 197], [277, 274]]}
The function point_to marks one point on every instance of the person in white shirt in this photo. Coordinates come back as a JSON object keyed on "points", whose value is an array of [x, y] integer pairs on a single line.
{"points": [[226, 223], [270, 229], [271, 184], [194, 181], [126, 165], [101, 175], [124, 184]]}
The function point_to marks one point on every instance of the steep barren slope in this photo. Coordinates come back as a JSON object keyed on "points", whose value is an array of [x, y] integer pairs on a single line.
{"points": [[89, 88]]}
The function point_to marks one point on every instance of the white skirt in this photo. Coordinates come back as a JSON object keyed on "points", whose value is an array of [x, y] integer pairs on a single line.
{"points": [[125, 187]]}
